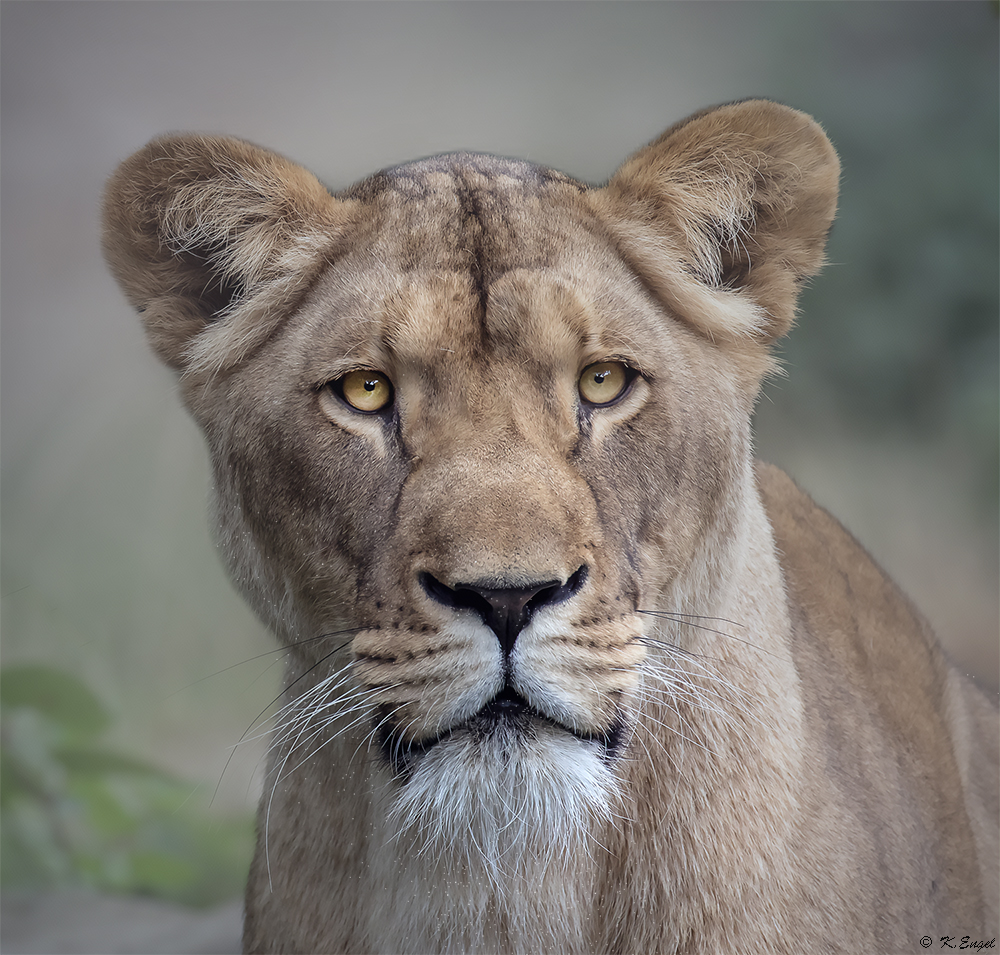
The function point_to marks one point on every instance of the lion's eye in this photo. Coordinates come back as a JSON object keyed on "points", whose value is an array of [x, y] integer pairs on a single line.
{"points": [[604, 382], [365, 390]]}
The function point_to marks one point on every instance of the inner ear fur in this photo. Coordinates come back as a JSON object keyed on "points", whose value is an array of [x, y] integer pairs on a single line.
{"points": [[726, 214], [199, 229]]}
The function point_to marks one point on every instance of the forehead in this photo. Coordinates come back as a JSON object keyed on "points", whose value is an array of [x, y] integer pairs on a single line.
{"points": [[476, 215], [477, 255]]}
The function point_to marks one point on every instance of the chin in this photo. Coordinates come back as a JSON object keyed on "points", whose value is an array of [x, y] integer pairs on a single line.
{"points": [[501, 788]]}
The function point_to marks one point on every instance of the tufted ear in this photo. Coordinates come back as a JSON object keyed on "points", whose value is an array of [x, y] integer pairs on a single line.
{"points": [[726, 214], [213, 240]]}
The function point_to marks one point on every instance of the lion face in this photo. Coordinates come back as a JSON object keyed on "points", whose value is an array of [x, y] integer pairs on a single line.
{"points": [[483, 445]]}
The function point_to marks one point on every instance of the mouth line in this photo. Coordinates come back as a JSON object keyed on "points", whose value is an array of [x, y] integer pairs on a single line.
{"points": [[507, 712]]}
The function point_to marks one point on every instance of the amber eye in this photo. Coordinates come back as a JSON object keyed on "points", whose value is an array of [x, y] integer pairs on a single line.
{"points": [[604, 382], [366, 390]]}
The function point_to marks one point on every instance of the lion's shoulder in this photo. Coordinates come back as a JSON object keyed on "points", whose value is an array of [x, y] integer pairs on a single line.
{"points": [[885, 711]]}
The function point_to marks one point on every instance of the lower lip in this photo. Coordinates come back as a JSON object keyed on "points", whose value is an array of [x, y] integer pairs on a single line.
{"points": [[503, 714]]}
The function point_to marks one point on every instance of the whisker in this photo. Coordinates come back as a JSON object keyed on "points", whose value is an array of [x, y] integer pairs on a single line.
{"points": [[282, 651], [677, 618], [257, 718], [705, 668], [693, 616]]}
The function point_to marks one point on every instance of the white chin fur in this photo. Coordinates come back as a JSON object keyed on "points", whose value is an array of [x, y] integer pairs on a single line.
{"points": [[488, 798], [496, 836]]}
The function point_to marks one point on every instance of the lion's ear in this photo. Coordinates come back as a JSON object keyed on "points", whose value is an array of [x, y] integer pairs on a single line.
{"points": [[726, 214], [214, 236]]}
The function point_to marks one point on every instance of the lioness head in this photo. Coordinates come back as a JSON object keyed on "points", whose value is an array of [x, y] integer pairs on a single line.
{"points": [[474, 424]]}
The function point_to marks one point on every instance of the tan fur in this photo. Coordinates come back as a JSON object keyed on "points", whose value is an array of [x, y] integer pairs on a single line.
{"points": [[722, 728]]}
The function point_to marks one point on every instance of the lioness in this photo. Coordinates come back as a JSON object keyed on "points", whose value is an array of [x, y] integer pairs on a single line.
{"points": [[566, 669]]}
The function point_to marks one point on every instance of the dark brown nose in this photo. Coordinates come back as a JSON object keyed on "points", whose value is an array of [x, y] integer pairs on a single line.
{"points": [[505, 610]]}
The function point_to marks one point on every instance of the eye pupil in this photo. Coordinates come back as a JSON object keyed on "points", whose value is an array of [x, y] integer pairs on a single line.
{"points": [[365, 390], [605, 382]]}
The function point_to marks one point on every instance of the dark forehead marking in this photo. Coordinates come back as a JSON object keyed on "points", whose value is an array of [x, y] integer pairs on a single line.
{"points": [[484, 200], [486, 231]]}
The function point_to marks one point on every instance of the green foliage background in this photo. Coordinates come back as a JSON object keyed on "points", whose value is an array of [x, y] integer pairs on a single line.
{"points": [[75, 812]]}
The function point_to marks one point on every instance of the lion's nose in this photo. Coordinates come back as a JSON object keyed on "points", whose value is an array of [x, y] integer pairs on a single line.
{"points": [[505, 610]]}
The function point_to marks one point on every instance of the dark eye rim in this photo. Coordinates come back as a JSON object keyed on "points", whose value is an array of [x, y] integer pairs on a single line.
{"points": [[337, 387], [631, 375]]}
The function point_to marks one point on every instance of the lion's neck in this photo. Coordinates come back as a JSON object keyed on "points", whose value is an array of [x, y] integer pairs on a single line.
{"points": [[720, 736], [436, 907]]}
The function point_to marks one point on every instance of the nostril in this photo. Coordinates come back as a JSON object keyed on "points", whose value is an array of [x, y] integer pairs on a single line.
{"points": [[559, 592], [462, 597], [442, 593], [505, 610]]}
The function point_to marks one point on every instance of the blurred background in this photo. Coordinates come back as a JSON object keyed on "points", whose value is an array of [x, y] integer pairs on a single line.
{"points": [[130, 668]]}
